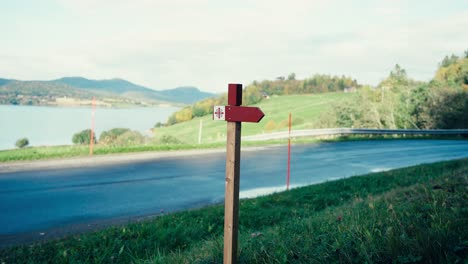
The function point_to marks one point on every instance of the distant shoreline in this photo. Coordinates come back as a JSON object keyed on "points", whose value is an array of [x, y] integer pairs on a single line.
{"points": [[98, 105]]}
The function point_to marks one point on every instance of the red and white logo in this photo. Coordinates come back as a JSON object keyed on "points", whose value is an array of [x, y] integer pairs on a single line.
{"points": [[219, 112]]}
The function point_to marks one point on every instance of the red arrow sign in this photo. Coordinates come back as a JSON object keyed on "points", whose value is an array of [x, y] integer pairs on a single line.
{"points": [[243, 114], [235, 115]]}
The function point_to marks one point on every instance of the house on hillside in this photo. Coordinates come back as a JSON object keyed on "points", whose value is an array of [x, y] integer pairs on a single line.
{"points": [[350, 89], [265, 96]]}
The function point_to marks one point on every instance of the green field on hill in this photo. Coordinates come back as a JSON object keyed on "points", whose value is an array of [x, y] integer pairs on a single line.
{"points": [[411, 215], [305, 110]]}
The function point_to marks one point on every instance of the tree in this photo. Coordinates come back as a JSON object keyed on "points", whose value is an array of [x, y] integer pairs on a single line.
{"points": [[184, 115], [451, 110], [130, 138], [454, 73], [399, 75], [109, 137], [251, 95], [447, 61], [292, 76], [397, 80], [22, 142], [83, 137], [421, 101], [171, 120], [157, 125]]}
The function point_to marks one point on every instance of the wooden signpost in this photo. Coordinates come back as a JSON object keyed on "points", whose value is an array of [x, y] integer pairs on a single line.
{"points": [[234, 114]]}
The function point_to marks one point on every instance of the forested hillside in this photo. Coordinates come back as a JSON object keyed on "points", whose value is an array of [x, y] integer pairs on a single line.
{"points": [[257, 91], [401, 102], [396, 102]]}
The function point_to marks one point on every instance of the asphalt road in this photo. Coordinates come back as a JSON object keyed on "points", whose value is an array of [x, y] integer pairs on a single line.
{"points": [[33, 202]]}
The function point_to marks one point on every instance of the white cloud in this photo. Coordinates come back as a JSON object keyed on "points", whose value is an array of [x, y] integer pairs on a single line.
{"points": [[163, 44]]}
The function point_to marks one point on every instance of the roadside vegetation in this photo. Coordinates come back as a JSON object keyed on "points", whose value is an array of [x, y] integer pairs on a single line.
{"points": [[399, 102], [174, 144], [22, 142], [411, 215]]}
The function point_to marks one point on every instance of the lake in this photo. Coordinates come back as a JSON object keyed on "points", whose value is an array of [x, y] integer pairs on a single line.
{"points": [[44, 125]]}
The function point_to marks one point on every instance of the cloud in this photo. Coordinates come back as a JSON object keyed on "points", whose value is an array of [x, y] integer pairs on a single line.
{"points": [[209, 43]]}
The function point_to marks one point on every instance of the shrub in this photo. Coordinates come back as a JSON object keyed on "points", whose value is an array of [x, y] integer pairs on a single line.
{"points": [[294, 122], [297, 121], [22, 142], [158, 125], [271, 125], [130, 138], [167, 139], [82, 137], [109, 137]]}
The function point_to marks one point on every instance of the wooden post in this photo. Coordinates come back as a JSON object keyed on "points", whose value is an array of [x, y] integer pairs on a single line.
{"points": [[231, 204], [234, 114], [200, 128], [289, 154], [91, 137]]}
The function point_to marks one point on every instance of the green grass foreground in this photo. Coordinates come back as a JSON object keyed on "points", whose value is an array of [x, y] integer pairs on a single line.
{"points": [[412, 215]]}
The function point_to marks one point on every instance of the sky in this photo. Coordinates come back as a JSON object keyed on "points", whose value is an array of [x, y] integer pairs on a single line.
{"points": [[210, 43]]}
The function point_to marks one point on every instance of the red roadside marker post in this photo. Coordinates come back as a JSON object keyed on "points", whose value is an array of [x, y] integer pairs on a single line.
{"points": [[288, 177], [234, 114], [91, 137]]}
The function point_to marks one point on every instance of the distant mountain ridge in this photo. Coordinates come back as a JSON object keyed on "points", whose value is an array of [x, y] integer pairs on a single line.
{"points": [[4, 81], [112, 85], [186, 94], [84, 88]]}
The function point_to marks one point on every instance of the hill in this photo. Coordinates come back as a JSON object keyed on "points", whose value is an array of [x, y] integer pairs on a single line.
{"points": [[4, 81], [118, 86], [111, 92], [186, 94], [305, 110], [42, 93]]}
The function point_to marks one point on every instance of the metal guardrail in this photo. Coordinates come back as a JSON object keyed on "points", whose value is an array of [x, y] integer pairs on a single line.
{"points": [[354, 131]]}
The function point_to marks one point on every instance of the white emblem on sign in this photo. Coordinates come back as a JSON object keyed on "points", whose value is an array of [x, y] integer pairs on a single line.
{"points": [[219, 113]]}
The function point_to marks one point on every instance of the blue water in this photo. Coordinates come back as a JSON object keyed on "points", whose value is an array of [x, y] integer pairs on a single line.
{"points": [[44, 125]]}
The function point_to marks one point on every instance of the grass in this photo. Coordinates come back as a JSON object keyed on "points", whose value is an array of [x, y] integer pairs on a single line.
{"points": [[412, 215], [39, 153], [305, 110], [54, 152]]}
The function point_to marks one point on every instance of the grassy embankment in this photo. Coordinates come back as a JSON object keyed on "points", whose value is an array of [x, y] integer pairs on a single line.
{"points": [[412, 215], [304, 108]]}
